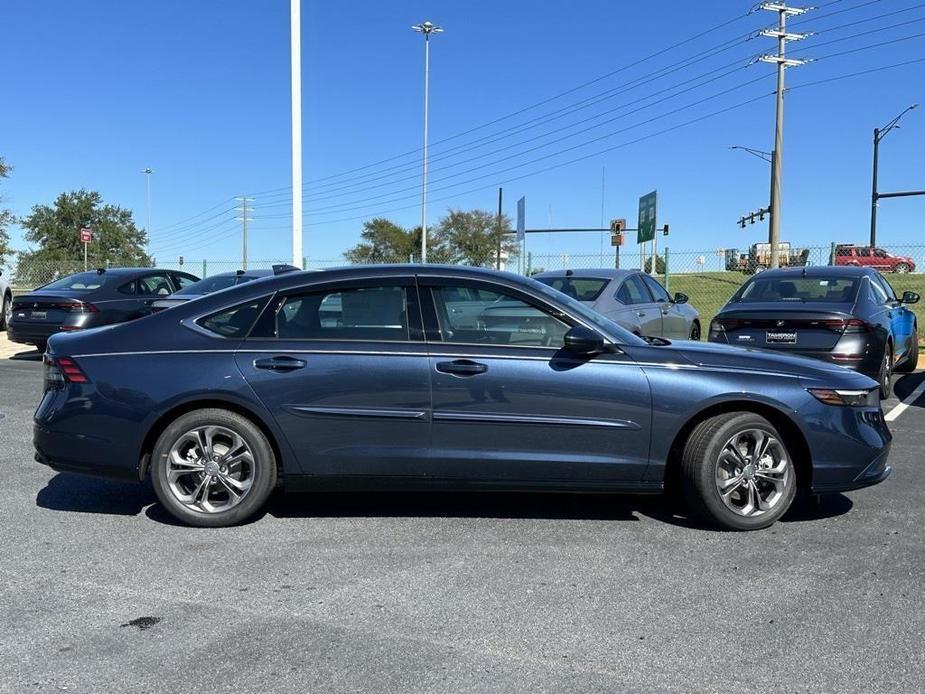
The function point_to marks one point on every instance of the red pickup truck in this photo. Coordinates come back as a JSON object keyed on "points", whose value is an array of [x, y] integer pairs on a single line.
{"points": [[866, 256]]}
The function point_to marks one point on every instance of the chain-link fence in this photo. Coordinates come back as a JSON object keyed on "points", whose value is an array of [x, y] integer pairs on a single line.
{"points": [[709, 278]]}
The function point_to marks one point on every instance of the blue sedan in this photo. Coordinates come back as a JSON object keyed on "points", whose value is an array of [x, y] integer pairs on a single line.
{"points": [[429, 376]]}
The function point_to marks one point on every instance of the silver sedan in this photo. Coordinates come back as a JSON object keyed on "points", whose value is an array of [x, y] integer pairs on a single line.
{"points": [[631, 299]]}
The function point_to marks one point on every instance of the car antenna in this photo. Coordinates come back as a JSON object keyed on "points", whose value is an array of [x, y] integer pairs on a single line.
{"points": [[100, 270], [239, 272], [569, 273]]}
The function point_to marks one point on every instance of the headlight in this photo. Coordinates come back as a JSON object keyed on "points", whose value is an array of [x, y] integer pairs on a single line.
{"points": [[847, 398]]}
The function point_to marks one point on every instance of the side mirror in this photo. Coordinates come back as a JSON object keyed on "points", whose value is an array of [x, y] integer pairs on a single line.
{"points": [[910, 298], [582, 340], [680, 298]]}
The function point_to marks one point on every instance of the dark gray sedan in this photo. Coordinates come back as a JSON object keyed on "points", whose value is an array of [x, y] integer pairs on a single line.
{"points": [[631, 299]]}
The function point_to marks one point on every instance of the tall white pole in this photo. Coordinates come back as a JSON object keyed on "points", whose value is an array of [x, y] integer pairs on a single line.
{"points": [[426, 119], [295, 47]]}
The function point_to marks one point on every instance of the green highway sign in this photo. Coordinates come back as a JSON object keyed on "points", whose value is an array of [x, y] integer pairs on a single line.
{"points": [[645, 228]]}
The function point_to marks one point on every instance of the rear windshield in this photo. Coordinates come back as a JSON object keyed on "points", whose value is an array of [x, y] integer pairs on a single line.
{"points": [[581, 288], [214, 284], [826, 289], [81, 282]]}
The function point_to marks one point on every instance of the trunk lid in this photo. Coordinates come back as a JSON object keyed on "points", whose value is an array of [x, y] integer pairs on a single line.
{"points": [[800, 327]]}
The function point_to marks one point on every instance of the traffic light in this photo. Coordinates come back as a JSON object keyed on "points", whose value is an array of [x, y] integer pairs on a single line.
{"points": [[665, 230]]}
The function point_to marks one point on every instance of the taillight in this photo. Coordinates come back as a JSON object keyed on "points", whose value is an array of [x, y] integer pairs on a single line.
{"points": [[849, 325], [75, 307], [60, 371]]}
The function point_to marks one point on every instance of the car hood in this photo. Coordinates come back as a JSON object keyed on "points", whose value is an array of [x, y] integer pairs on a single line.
{"points": [[729, 357]]}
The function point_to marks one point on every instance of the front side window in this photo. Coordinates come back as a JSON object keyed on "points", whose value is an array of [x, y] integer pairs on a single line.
{"points": [[154, 285], [633, 291], [885, 286], [184, 281], [864, 252], [481, 316], [368, 313], [658, 291]]}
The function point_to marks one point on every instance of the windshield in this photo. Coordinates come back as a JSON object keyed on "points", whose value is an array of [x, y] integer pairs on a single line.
{"points": [[214, 284], [581, 288], [620, 334], [799, 289], [81, 282]]}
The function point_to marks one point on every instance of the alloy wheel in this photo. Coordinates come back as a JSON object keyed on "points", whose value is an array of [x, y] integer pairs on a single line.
{"points": [[753, 472], [902, 268], [7, 311], [210, 469]]}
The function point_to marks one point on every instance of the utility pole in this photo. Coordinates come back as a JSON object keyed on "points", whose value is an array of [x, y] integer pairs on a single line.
{"points": [[295, 89], [782, 62], [500, 229], [426, 28], [244, 220], [879, 134]]}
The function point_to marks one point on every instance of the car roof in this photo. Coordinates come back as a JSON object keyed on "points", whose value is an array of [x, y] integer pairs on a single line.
{"points": [[123, 271], [598, 273], [818, 271], [243, 273]]}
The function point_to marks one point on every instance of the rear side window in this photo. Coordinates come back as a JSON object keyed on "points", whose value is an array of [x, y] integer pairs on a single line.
{"points": [[368, 313], [581, 288], [234, 322]]}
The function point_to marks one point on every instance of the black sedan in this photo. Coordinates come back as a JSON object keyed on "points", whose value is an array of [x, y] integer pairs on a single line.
{"points": [[89, 299], [845, 315], [216, 283]]}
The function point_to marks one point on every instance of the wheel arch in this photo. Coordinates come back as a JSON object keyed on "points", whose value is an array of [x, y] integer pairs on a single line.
{"points": [[793, 437], [164, 420]]}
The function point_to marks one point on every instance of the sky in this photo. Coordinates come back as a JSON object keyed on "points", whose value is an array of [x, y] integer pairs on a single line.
{"points": [[545, 99]]}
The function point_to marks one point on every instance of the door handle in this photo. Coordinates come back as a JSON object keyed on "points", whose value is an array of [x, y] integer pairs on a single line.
{"points": [[461, 367], [281, 364], [641, 314]]}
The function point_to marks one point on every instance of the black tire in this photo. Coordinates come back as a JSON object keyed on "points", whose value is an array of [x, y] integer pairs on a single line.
{"points": [[4, 311], [885, 373], [700, 465], [41, 347], [912, 360], [695, 331], [263, 472]]}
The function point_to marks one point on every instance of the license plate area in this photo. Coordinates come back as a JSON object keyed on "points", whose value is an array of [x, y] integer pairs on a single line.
{"points": [[38, 315], [781, 337]]}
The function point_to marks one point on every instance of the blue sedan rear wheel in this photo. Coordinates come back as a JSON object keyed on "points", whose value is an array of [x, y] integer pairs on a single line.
{"points": [[737, 472], [213, 468]]}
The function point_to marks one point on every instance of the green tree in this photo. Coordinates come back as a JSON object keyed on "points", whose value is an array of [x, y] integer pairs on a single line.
{"points": [[55, 230], [385, 242], [471, 238], [6, 217]]}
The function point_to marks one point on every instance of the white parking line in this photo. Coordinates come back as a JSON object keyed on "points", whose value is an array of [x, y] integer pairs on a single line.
{"points": [[904, 405]]}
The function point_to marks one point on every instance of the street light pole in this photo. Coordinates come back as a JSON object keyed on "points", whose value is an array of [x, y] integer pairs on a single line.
{"points": [[427, 28], [147, 171], [295, 59], [879, 134]]}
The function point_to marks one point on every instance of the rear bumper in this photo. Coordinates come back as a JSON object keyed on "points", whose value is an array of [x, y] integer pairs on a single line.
{"points": [[30, 334]]}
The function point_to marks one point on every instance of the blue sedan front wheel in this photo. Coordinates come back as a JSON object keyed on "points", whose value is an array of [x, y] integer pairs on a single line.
{"points": [[737, 472]]}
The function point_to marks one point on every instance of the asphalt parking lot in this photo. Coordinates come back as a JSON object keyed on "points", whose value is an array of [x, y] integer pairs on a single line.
{"points": [[100, 592]]}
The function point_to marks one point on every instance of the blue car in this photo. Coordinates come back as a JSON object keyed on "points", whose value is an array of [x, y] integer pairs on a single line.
{"points": [[845, 315], [444, 377]]}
